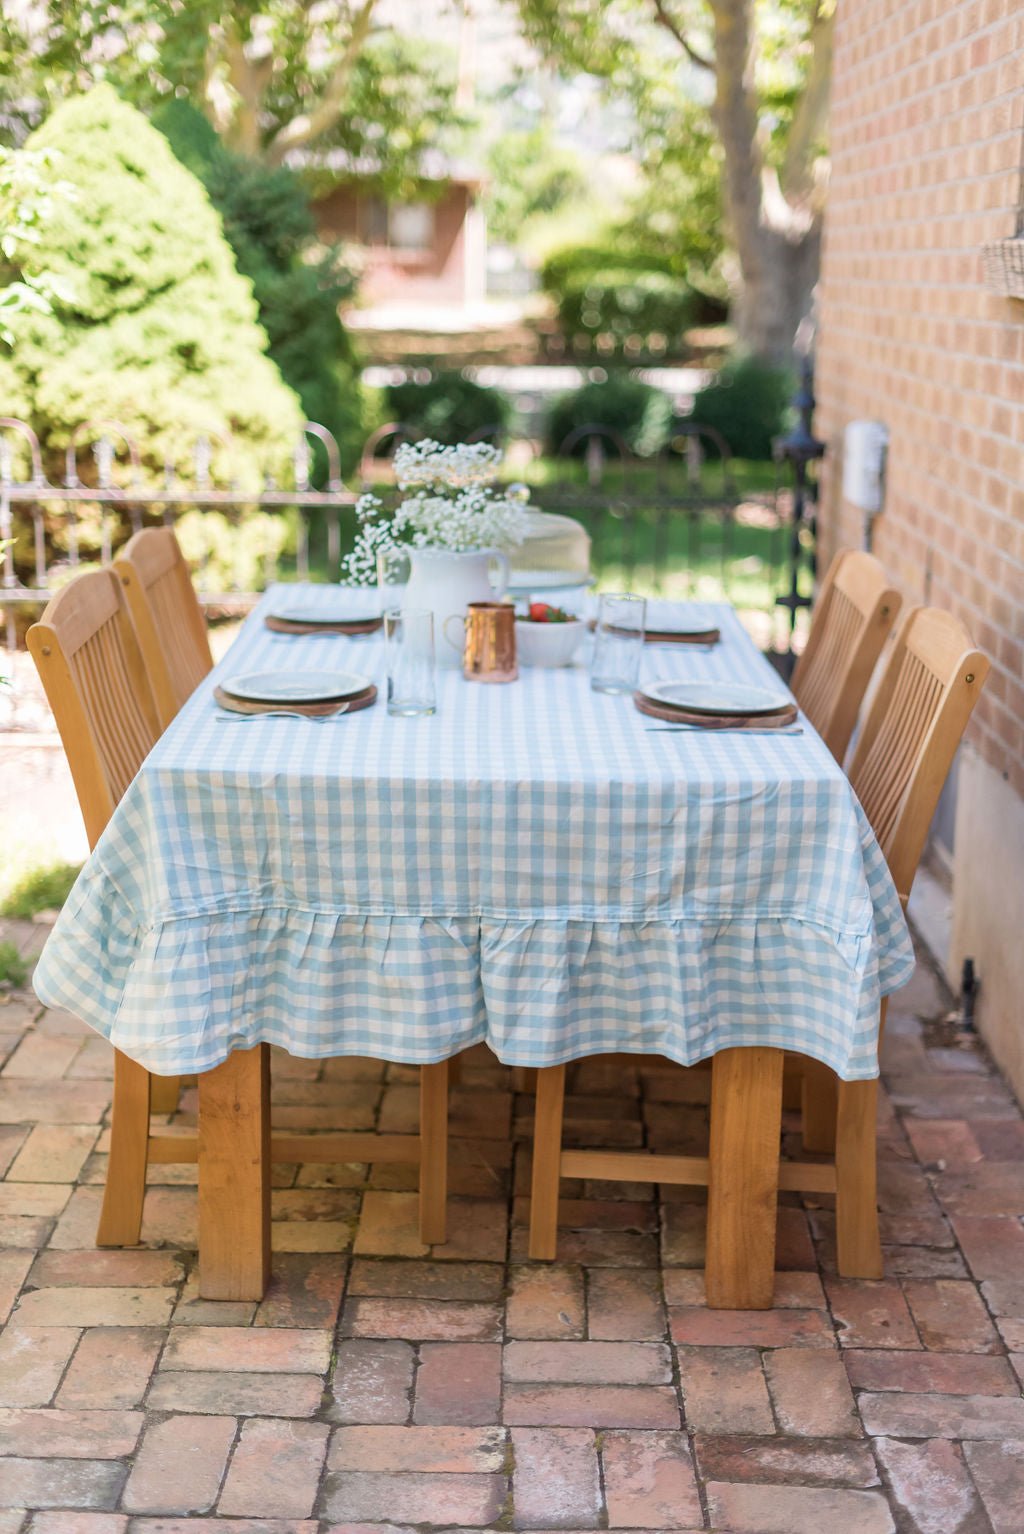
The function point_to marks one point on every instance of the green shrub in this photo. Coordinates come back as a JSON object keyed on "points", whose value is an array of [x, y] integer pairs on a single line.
{"points": [[234, 555], [641, 414], [621, 293], [13, 969], [297, 283], [40, 889], [158, 330], [450, 408], [747, 403]]}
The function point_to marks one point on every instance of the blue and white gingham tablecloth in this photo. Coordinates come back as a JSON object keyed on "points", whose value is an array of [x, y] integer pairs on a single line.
{"points": [[530, 867]]}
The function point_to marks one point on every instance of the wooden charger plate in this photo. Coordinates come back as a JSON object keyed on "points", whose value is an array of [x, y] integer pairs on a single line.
{"points": [[364, 699], [663, 636], [666, 636], [341, 626], [785, 715]]}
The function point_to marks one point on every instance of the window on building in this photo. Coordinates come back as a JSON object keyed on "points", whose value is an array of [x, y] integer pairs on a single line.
{"points": [[411, 226], [405, 226]]}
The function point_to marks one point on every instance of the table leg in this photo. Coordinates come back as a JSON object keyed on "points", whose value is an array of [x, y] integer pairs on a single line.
{"points": [[547, 1162], [743, 1178], [121, 1215], [858, 1244], [164, 1093], [819, 1106], [234, 1177], [433, 1153]]}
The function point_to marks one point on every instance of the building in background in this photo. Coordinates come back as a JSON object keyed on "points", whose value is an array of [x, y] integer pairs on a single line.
{"points": [[430, 252], [922, 329]]}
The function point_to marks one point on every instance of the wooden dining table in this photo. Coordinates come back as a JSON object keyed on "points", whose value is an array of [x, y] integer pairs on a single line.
{"points": [[537, 866]]}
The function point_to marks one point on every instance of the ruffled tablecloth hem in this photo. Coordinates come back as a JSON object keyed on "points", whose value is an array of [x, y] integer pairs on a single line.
{"points": [[180, 996]]}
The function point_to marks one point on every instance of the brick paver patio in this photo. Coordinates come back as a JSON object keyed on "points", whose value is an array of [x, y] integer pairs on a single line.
{"points": [[381, 1385]]}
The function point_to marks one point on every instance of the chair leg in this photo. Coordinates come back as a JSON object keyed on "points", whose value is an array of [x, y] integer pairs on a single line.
{"points": [[547, 1161], [819, 1106], [234, 1177], [858, 1246], [121, 1215], [163, 1094], [524, 1078], [433, 1153], [743, 1178]]}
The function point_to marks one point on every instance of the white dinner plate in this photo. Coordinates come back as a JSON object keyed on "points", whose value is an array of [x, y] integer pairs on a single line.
{"points": [[522, 583], [717, 697], [679, 617], [352, 605], [295, 686]]}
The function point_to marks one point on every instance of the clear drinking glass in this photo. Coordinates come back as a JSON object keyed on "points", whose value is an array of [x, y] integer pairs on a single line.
{"points": [[393, 570], [409, 640], [618, 642]]}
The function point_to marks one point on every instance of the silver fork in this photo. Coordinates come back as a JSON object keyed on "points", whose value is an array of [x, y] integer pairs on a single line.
{"points": [[727, 729], [281, 713]]}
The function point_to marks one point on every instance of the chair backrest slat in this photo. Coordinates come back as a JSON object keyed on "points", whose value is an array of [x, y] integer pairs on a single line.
{"points": [[852, 619], [88, 658], [916, 720], [167, 617]]}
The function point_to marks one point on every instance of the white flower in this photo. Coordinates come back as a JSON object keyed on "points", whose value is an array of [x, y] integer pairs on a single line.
{"points": [[452, 507]]}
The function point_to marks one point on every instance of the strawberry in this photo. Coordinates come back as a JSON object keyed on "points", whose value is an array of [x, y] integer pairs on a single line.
{"points": [[543, 612]]}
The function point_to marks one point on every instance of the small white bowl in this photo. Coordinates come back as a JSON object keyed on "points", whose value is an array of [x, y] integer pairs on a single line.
{"points": [[547, 644]]}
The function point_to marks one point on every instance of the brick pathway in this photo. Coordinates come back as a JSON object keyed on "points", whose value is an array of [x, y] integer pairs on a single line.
{"points": [[379, 1387]]}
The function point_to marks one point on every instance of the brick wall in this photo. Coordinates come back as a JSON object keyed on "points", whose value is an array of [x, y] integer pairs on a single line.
{"points": [[927, 133]]}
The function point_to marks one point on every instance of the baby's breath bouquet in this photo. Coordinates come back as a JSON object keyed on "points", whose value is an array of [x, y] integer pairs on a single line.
{"points": [[447, 504]]}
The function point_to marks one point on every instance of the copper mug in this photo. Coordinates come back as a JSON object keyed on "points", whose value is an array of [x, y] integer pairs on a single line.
{"points": [[489, 643]]}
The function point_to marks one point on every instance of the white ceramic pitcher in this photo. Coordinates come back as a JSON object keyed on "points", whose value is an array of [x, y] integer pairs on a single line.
{"points": [[446, 582]]}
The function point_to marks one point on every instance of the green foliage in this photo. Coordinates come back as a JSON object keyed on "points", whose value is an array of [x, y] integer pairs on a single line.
{"points": [[639, 413], [626, 302], [297, 283], [13, 969], [26, 203], [40, 889], [529, 177], [747, 403], [234, 554], [158, 331], [273, 75], [449, 409]]}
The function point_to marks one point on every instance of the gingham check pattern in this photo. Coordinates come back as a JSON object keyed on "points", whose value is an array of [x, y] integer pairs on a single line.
{"points": [[530, 866]]}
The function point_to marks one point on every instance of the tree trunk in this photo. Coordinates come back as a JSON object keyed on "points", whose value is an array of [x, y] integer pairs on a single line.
{"points": [[777, 242], [776, 291]]}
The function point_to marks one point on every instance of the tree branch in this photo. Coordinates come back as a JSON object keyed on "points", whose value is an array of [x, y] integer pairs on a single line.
{"points": [[248, 81], [664, 19], [735, 113], [797, 175], [310, 125]]}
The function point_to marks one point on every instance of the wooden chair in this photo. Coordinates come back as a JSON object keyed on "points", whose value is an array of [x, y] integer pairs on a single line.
{"points": [[920, 711], [167, 616], [853, 616], [88, 658], [92, 669]]}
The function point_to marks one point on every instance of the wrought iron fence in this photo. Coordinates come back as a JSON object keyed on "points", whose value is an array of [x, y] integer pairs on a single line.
{"points": [[679, 523], [80, 520]]}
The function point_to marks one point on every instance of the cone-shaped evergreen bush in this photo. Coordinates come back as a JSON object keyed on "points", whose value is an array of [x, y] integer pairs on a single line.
{"points": [[297, 283], [158, 330]]}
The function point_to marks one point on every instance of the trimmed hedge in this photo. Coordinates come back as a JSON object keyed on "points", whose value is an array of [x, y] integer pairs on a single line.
{"points": [[747, 403], [449, 409], [638, 412]]}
